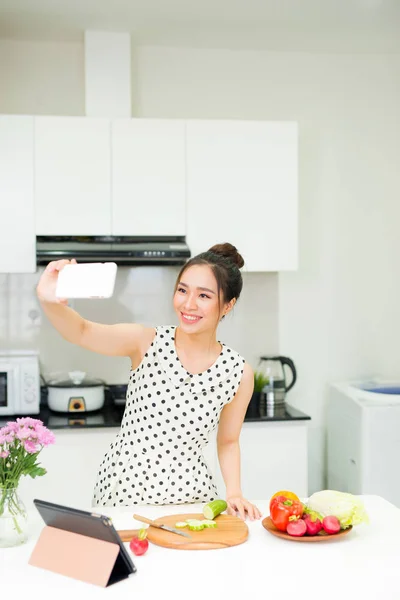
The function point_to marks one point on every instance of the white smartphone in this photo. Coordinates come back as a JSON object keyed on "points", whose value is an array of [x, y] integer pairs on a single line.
{"points": [[87, 280]]}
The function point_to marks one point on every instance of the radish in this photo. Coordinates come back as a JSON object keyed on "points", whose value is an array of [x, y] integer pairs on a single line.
{"points": [[313, 527], [331, 524], [296, 528], [139, 543]]}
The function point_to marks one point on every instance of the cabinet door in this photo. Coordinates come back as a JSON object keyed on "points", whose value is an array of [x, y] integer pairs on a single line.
{"points": [[148, 177], [72, 176], [242, 188], [17, 239], [267, 451], [267, 464], [72, 465]]}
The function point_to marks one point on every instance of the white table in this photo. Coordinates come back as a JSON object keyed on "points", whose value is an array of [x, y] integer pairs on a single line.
{"points": [[365, 564]]}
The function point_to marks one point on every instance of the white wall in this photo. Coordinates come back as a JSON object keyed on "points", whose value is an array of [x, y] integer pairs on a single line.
{"points": [[41, 78], [338, 314]]}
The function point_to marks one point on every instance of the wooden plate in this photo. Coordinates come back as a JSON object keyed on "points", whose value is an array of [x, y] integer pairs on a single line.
{"points": [[320, 537]]}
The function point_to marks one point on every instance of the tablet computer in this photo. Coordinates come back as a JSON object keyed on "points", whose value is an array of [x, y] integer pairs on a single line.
{"points": [[90, 524]]}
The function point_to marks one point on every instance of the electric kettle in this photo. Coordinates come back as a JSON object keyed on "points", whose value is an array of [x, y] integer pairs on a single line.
{"points": [[275, 384]]}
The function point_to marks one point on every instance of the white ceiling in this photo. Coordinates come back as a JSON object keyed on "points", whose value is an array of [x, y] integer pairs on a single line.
{"points": [[283, 25]]}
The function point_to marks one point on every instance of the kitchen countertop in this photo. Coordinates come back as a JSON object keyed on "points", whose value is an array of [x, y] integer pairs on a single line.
{"points": [[111, 415], [363, 564]]}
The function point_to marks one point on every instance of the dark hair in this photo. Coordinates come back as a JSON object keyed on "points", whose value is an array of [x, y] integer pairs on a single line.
{"points": [[225, 262]]}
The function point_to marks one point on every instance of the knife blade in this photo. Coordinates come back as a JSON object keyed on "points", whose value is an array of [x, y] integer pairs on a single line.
{"points": [[161, 526]]}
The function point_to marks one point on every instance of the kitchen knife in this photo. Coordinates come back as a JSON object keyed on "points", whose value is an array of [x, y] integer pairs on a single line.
{"points": [[161, 526]]}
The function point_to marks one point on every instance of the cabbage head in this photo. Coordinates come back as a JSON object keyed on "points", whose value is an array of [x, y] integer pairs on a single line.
{"points": [[348, 508]]}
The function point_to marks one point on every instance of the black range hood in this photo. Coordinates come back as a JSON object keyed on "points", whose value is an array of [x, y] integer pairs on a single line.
{"points": [[123, 250]]}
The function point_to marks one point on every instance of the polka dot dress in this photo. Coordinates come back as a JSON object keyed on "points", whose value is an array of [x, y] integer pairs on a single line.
{"points": [[157, 456]]}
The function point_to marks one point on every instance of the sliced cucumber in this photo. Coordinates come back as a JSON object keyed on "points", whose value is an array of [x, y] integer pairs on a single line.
{"points": [[208, 524], [214, 508], [195, 525], [192, 521]]}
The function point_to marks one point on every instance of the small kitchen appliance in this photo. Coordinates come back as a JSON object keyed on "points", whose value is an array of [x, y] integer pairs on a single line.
{"points": [[275, 390], [19, 382], [75, 393]]}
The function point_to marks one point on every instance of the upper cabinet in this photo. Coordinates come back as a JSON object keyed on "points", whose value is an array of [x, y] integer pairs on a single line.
{"points": [[242, 189], [72, 176], [17, 239], [148, 177], [213, 181]]}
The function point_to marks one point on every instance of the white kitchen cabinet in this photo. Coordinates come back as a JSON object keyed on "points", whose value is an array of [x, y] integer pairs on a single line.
{"points": [[72, 176], [273, 457], [72, 464], [242, 188], [17, 239], [148, 177]]}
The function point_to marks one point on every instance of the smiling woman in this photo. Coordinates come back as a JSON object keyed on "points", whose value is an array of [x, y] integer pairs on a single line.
{"points": [[183, 384], [221, 284]]}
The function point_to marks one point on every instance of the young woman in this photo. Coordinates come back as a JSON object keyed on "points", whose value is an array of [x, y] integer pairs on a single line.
{"points": [[182, 385]]}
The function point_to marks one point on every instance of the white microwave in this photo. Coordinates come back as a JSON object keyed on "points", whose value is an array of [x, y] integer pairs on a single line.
{"points": [[19, 383]]}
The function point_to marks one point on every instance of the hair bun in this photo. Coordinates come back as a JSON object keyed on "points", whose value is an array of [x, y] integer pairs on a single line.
{"points": [[230, 252]]}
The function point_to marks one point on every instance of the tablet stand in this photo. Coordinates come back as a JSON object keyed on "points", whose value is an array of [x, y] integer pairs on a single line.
{"points": [[79, 556]]}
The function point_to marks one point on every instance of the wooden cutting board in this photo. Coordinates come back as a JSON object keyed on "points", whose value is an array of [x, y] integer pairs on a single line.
{"points": [[230, 531]]}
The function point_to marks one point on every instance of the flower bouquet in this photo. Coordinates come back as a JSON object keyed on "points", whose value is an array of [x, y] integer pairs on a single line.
{"points": [[21, 442]]}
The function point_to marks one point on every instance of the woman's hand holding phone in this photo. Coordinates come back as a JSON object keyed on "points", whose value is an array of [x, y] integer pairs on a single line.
{"points": [[47, 286]]}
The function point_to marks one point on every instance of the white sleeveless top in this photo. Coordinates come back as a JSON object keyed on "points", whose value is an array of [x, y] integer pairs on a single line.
{"points": [[157, 456]]}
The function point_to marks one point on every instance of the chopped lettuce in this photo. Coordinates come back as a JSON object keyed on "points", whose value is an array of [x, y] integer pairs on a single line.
{"points": [[348, 508]]}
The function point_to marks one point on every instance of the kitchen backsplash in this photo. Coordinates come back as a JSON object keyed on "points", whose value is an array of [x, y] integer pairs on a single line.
{"points": [[142, 295]]}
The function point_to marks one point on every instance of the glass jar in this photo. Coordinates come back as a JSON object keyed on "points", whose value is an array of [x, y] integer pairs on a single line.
{"points": [[13, 518]]}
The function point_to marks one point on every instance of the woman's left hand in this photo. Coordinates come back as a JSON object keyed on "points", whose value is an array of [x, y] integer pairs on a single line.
{"points": [[238, 504]]}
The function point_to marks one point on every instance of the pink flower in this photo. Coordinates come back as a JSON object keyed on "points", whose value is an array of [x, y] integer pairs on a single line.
{"points": [[12, 426], [30, 447], [6, 434], [24, 433], [45, 436], [28, 422], [20, 443]]}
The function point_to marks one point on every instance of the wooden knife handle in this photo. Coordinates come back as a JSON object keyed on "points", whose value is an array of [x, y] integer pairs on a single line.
{"points": [[127, 534], [144, 520]]}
